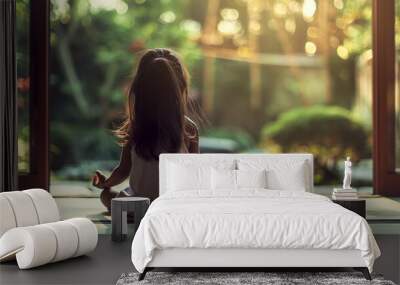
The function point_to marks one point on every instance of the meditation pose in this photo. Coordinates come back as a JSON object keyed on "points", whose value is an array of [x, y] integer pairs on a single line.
{"points": [[347, 174], [156, 122]]}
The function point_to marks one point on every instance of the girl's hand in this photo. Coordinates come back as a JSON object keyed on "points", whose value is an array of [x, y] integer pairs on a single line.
{"points": [[99, 180]]}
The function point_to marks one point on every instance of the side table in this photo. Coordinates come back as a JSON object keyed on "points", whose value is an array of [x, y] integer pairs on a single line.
{"points": [[120, 207], [358, 206]]}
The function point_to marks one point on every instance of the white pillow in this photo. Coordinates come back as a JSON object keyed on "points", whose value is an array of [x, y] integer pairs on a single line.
{"points": [[181, 177], [223, 179], [285, 174], [189, 172], [251, 178], [227, 179]]}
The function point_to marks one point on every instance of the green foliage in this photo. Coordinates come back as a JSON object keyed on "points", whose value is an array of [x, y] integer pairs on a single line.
{"points": [[71, 144], [23, 149], [85, 169], [330, 133], [355, 23], [95, 46], [242, 139]]}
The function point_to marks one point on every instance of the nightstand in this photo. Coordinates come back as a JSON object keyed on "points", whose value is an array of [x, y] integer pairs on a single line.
{"points": [[357, 206]]}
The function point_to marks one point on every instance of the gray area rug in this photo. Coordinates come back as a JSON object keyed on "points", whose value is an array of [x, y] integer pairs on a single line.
{"points": [[231, 278]]}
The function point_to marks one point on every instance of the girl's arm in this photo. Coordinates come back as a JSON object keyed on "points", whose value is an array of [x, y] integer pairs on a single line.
{"points": [[193, 140], [119, 174], [194, 143]]}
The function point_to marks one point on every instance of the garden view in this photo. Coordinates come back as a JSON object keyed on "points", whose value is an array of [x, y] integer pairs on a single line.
{"points": [[270, 75]]}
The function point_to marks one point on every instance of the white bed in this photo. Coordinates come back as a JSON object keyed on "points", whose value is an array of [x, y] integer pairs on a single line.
{"points": [[199, 226]]}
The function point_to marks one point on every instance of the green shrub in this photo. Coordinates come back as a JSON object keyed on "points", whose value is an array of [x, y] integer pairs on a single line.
{"points": [[330, 133], [242, 139]]}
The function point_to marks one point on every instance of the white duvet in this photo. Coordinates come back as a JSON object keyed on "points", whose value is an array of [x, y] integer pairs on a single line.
{"points": [[250, 219]]}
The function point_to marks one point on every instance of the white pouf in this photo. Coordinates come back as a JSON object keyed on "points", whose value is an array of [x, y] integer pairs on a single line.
{"points": [[31, 232]]}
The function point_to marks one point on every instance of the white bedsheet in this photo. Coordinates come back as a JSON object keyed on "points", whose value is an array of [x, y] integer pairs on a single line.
{"points": [[250, 219]]}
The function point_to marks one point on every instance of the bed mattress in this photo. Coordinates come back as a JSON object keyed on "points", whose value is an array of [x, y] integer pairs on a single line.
{"points": [[250, 219]]}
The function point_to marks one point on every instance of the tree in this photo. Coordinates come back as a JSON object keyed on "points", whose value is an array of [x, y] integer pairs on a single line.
{"points": [[94, 48]]}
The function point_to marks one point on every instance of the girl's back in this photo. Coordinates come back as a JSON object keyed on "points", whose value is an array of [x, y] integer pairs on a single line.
{"points": [[143, 178], [156, 122]]}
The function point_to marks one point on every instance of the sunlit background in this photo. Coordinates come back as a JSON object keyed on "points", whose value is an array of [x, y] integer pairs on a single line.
{"points": [[271, 76]]}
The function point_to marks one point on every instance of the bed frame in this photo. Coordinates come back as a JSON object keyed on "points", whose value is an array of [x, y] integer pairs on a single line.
{"points": [[243, 259], [246, 258]]}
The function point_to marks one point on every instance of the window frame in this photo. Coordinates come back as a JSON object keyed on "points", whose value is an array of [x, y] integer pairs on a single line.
{"points": [[385, 179], [38, 175]]}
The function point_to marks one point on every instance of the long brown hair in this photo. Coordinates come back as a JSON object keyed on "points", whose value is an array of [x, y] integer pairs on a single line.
{"points": [[157, 105]]}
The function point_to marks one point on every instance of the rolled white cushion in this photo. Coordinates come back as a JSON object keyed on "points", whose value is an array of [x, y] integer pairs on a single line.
{"points": [[26, 208], [87, 235], [33, 246], [37, 245], [67, 240], [23, 208], [7, 218], [46, 207]]}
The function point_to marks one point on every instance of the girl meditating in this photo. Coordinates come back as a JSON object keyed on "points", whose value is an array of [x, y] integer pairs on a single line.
{"points": [[156, 122]]}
